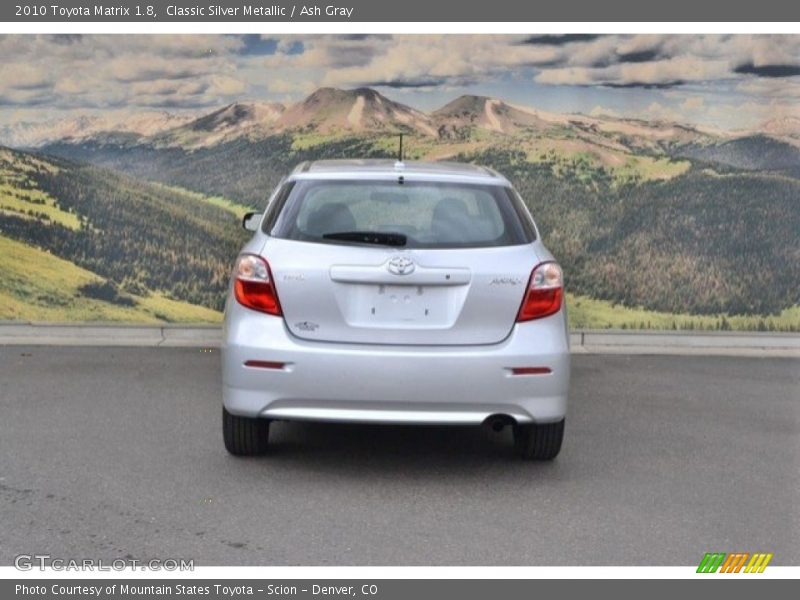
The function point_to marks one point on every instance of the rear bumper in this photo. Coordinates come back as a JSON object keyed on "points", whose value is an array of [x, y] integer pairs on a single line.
{"points": [[393, 384]]}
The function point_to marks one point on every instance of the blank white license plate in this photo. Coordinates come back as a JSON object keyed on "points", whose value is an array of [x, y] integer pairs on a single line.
{"points": [[384, 305]]}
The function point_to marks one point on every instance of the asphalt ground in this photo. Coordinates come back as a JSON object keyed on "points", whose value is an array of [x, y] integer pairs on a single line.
{"points": [[117, 452]]}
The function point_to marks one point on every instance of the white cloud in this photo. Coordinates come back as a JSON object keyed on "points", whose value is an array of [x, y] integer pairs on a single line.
{"points": [[603, 111], [771, 88], [693, 103], [659, 112], [24, 76], [284, 86], [639, 43], [224, 85], [412, 58], [659, 72]]}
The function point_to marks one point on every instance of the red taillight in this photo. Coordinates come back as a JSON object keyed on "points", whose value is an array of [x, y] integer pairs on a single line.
{"points": [[544, 294], [253, 285]]}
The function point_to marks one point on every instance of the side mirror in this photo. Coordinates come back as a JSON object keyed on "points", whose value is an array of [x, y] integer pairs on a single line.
{"points": [[251, 220]]}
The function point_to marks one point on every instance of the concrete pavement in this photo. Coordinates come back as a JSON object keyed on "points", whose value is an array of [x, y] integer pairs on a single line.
{"points": [[114, 452]]}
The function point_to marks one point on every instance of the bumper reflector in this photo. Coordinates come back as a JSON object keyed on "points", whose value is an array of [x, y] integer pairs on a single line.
{"points": [[264, 364], [530, 370]]}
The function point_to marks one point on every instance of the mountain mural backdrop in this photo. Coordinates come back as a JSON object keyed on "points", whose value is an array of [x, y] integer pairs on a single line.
{"points": [[658, 224]]}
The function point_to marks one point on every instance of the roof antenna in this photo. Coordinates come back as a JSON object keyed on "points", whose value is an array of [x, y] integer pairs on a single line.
{"points": [[399, 164]]}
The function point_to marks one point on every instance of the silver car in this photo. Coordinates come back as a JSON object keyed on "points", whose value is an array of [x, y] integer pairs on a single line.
{"points": [[375, 291]]}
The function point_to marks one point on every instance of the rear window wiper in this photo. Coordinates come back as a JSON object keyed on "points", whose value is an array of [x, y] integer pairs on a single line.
{"points": [[379, 238]]}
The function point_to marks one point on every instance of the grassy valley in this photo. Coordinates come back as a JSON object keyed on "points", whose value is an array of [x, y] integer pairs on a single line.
{"points": [[591, 313]]}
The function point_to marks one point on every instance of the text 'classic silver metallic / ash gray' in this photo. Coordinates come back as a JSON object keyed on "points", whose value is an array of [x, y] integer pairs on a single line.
{"points": [[386, 292]]}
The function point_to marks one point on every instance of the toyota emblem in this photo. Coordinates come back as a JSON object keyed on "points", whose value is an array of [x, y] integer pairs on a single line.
{"points": [[400, 265]]}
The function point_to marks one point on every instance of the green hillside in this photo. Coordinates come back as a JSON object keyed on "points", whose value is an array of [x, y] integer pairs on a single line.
{"points": [[243, 170], [20, 196], [37, 286], [756, 152], [146, 240], [590, 313]]}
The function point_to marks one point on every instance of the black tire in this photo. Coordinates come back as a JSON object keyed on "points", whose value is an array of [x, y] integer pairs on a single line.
{"points": [[539, 441], [244, 436]]}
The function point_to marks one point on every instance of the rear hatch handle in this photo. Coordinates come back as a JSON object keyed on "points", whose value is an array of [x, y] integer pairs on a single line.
{"points": [[431, 276]]}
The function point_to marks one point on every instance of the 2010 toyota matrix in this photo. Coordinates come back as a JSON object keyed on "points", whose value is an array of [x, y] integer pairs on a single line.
{"points": [[378, 291]]}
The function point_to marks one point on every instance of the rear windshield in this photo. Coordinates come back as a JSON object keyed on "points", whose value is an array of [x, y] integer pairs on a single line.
{"points": [[412, 214]]}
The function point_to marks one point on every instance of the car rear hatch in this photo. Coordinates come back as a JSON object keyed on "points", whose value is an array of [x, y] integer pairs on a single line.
{"points": [[382, 295], [401, 259]]}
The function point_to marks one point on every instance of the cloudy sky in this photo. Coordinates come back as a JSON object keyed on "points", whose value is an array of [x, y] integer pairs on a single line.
{"points": [[732, 81]]}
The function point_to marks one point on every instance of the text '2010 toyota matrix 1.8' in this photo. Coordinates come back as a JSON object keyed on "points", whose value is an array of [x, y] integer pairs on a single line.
{"points": [[383, 292]]}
